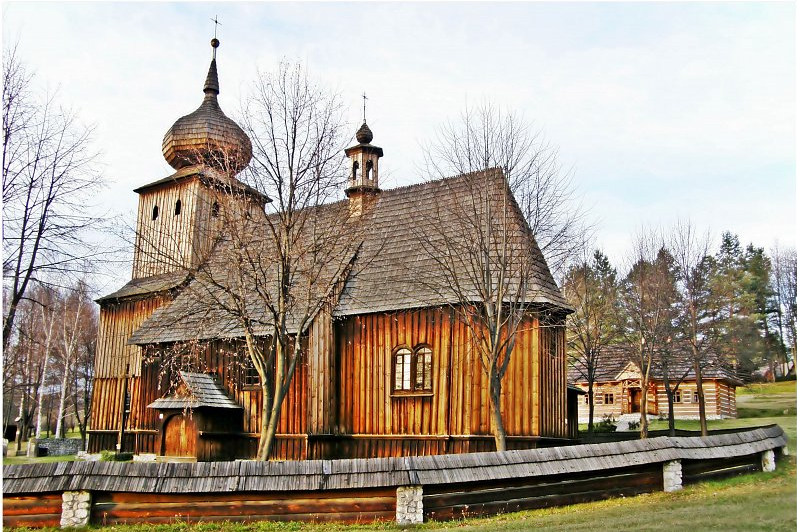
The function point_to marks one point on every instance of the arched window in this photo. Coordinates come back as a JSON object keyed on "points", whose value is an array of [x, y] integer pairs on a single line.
{"points": [[354, 168], [178, 207], [369, 169], [155, 212], [402, 364], [215, 209], [412, 370], [423, 369]]}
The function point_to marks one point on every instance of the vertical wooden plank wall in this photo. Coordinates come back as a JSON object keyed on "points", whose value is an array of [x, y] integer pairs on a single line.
{"points": [[533, 391], [115, 363]]}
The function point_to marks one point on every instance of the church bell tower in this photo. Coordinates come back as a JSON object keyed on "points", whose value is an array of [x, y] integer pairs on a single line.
{"points": [[363, 182]]}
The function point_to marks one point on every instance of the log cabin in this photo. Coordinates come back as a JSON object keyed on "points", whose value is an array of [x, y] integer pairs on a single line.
{"points": [[388, 367], [617, 387]]}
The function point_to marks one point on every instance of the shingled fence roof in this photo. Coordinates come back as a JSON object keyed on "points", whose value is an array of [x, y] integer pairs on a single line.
{"points": [[379, 472]]}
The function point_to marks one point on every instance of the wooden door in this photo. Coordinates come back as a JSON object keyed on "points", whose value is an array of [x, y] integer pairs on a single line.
{"points": [[179, 436], [635, 399]]}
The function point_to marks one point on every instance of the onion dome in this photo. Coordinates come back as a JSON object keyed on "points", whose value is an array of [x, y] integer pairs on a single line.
{"points": [[364, 134], [207, 136]]}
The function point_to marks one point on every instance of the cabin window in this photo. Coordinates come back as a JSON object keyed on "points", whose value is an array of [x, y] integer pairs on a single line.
{"points": [[676, 396], [155, 212], [695, 397], [608, 398], [215, 209], [412, 370], [178, 207], [586, 399]]}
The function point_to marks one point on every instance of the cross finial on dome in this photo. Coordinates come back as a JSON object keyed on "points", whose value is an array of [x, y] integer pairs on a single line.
{"points": [[215, 42], [364, 98]]}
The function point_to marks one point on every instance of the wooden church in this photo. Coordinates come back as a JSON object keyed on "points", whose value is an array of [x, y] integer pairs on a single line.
{"points": [[387, 366]]}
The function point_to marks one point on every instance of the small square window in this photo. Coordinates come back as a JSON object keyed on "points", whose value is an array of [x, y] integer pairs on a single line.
{"points": [[608, 398], [695, 397], [676, 396]]}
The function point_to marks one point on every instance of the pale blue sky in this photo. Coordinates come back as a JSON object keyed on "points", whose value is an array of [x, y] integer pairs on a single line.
{"points": [[661, 110]]}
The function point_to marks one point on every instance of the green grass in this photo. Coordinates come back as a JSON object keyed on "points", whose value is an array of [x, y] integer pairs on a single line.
{"points": [[10, 460]]}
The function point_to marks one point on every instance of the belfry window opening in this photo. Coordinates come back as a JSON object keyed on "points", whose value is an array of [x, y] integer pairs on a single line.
{"points": [[178, 207], [354, 168], [369, 169], [155, 212]]}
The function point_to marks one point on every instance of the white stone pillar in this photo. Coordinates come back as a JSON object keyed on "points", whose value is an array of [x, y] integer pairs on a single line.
{"points": [[75, 509], [409, 505], [673, 479], [768, 460]]}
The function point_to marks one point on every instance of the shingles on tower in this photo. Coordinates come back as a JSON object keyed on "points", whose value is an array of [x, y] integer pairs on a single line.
{"points": [[178, 215]]}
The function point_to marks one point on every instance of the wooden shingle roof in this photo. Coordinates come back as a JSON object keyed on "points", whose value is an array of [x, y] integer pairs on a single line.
{"points": [[391, 267], [148, 285], [199, 390]]}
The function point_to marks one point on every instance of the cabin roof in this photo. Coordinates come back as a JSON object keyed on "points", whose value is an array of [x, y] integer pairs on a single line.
{"points": [[615, 359], [201, 391], [388, 265]]}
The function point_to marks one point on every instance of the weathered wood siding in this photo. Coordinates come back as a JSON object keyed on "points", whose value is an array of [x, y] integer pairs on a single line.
{"points": [[456, 501], [719, 396], [455, 415], [622, 400], [33, 511], [167, 243], [118, 366], [347, 506], [224, 359]]}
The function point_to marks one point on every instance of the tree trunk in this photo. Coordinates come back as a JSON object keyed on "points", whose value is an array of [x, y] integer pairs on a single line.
{"points": [[670, 409], [701, 398], [591, 405], [59, 425], [643, 410], [495, 412], [41, 394]]}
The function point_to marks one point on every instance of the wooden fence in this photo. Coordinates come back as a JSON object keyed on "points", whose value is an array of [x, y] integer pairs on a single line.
{"points": [[361, 490]]}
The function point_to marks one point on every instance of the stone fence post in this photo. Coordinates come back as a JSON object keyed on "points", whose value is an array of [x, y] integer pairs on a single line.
{"points": [[75, 509], [673, 476], [768, 460], [409, 505]]}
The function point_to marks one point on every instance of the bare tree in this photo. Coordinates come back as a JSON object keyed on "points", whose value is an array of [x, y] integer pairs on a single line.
{"points": [[591, 289], [647, 297], [511, 196], [784, 280], [276, 266], [48, 175], [696, 313]]}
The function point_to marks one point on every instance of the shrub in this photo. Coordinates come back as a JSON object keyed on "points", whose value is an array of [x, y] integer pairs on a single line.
{"points": [[112, 456], [607, 424]]}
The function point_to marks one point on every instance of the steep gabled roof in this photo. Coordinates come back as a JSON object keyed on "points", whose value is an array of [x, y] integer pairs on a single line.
{"points": [[396, 267], [389, 264]]}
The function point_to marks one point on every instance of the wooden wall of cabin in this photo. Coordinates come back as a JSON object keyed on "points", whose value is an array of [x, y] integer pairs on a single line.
{"points": [[454, 417], [226, 359], [117, 366]]}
